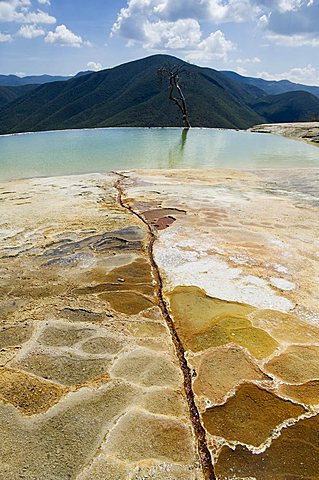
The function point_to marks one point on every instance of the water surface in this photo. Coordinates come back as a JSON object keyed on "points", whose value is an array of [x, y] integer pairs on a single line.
{"points": [[100, 150]]}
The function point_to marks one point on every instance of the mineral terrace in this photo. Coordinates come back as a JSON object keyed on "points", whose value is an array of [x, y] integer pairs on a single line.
{"points": [[160, 325]]}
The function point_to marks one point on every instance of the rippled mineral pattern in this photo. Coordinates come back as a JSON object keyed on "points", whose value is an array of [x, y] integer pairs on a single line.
{"points": [[240, 274], [90, 386], [107, 281]]}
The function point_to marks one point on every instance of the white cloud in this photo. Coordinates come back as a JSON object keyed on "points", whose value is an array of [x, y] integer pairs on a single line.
{"points": [[232, 10], [39, 17], [137, 12], [263, 21], [44, 2], [30, 31], [175, 25], [244, 61], [20, 74], [214, 47], [290, 5], [5, 37], [95, 66], [307, 75], [293, 40], [64, 37], [19, 11], [181, 34]]}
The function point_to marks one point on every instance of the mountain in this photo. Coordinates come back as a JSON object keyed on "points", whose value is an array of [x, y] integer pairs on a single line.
{"points": [[12, 87], [288, 107], [8, 94], [131, 95], [14, 80], [273, 87]]}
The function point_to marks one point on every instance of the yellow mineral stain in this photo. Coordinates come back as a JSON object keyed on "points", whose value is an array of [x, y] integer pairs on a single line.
{"points": [[164, 401], [135, 276], [203, 322], [126, 288], [29, 394], [100, 345], [250, 415], [146, 329], [129, 303], [297, 364], [285, 326], [64, 368], [105, 469], [307, 393], [135, 272], [158, 437], [146, 368], [15, 335], [293, 455], [222, 369], [193, 307], [65, 336]]}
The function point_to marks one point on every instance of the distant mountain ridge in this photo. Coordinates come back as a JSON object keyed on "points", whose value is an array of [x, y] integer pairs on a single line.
{"points": [[131, 95], [15, 81], [273, 87]]}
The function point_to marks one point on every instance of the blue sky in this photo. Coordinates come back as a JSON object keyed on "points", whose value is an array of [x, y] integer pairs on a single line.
{"points": [[273, 39]]}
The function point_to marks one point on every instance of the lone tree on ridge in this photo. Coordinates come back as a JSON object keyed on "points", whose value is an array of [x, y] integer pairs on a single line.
{"points": [[173, 74]]}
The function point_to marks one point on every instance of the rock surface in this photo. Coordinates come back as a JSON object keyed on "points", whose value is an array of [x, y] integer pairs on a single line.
{"points": [[90, 386], [308, 131], [148, 315], [239, 273]]}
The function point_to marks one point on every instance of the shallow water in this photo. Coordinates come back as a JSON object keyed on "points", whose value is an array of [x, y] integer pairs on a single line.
{"points": [[100, 150]]}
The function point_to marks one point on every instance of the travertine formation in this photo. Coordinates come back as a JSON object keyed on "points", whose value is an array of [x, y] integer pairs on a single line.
{"points": [[239, 273], [149, 314], [90, 386], [308, 131]]}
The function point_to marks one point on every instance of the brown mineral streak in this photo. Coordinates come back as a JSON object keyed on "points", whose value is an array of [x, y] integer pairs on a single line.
{"points": [[205, 457]]}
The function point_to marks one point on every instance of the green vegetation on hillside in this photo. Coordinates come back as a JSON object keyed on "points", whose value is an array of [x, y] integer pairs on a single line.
{"points": [[8, 94], [131, 95], [288, 107]]}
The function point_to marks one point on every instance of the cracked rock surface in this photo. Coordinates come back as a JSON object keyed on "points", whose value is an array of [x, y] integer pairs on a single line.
{"points": [[90, 386], [239, 270], [150, 315]]}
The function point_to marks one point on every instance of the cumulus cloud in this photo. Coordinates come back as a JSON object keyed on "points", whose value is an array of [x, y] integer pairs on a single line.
{"points": [[131, 18], [214, 47], [280, 17], [19, 11], [181, 34], [233, 10], [5, 37], [307, 75], [64, 37], [44, 2], [175, 25], [95, 66], [39, 17], [30, 31], [293, 40]]}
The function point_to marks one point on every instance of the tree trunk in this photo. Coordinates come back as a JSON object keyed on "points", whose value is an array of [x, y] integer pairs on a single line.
{"points": [[180, 102]]}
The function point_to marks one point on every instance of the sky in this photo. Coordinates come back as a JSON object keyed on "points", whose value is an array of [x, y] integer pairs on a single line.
{"points": [[272, 39]]}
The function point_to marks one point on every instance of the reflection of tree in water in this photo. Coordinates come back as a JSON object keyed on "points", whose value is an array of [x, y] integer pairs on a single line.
{"points": [[176, 153]]}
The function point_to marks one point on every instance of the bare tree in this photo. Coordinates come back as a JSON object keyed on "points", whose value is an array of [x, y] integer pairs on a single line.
{"points": [[173, 74]]}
